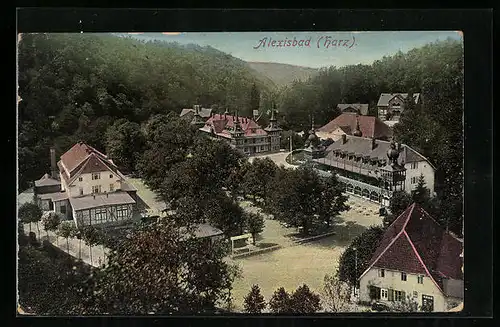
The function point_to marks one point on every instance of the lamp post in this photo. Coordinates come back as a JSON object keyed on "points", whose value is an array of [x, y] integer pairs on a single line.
{"points": [[355, 269]]}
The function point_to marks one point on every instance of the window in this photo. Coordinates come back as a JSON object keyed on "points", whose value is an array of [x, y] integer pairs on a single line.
{"points": [[62, 209], [96, 176], [381, 273], [81, 190], [111, 187], [384, 294], [80, 178], [262, 148], [414, 165], [96, 189], [110, 175], [420, 279], [414, 180], [100, 215], [403, 276], [399, 295], [122, 212]]}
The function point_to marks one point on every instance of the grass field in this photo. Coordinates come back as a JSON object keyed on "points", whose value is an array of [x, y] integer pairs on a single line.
{"points": [[289, 268]]}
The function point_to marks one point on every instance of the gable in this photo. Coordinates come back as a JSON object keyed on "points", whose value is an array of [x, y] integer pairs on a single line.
{"points": [[400, 256]]}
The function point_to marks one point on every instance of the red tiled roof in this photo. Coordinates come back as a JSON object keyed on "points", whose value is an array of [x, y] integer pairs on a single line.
{"points": [[222, 123], [82, 158], [416, 243], [370, 126], [75, 156]]}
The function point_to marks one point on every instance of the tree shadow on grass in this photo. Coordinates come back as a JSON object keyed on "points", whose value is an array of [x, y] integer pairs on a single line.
{"points": [[343, 237]]}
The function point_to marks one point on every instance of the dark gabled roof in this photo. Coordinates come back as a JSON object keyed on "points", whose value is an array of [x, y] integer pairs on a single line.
{"points": [[204, 230], [363, 146], [416, 243], [82, 158], [370, 126], [204, 112], [223, 123], [361, 107], [74, 157], [386, 97], [46, 180]]}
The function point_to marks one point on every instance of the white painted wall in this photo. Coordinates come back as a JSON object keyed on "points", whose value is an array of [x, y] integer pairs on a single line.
{"points": [[423, 167], [393, 281], [87, 183]]}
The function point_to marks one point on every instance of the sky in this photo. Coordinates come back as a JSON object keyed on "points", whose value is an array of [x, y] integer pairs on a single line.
{"points": [[320, 51]]}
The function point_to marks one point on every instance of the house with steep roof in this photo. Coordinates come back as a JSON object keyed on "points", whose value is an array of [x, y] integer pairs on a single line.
{"points": [[88, 188], [391, 105], [244, 133], [356, 108], [196, 115], [415, 259], [363, 165], [354, 124]]}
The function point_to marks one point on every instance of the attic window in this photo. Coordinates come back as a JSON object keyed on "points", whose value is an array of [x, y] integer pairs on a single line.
{"points": [[80, 178], [110, 175]]}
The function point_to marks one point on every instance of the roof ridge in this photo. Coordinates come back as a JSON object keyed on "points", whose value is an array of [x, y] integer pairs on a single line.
{"points": [[421, 260], [393, 240], [409, 216]]}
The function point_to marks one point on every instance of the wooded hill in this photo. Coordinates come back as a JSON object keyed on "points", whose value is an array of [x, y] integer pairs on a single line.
{"points": [[73, 86], [283, 74]]}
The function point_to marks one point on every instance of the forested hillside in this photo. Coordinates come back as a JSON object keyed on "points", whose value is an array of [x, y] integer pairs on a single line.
{"points": [[73, 86], [436, 130], [283, 74]]}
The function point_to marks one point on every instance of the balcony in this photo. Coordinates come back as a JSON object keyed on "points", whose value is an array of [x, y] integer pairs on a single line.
{"points": [[364, 190]]}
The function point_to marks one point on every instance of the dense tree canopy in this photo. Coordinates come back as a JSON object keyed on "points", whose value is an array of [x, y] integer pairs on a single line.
{"points": [[354, 260], [73, 86], [159, 269], [301, 198]]}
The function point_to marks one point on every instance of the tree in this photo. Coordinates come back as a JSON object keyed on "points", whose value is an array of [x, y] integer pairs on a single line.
{"points": [[254, 301], [304, 301], [358, 255], [336, 293], [91, 237], [258, 176], [255, 224], [124, 143], [408, 304], [160, 269], [297, 140], [28, 213], [49, 284], [399, 202], [77, 233], [333, 199], [302, 198], [50, 221], [421, 193], [280, 302], [65, 230]]}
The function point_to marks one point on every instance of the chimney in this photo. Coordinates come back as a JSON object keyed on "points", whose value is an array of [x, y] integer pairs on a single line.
{"points": [[53, 167], [373, 143], [344, 138]]}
